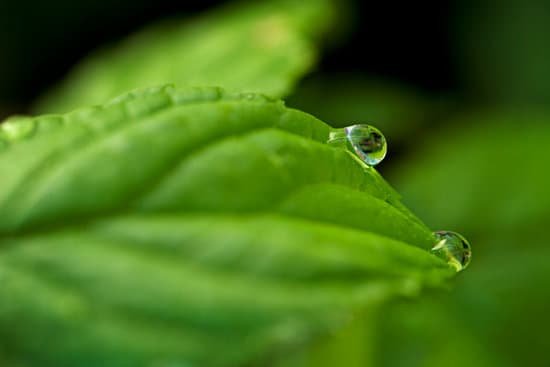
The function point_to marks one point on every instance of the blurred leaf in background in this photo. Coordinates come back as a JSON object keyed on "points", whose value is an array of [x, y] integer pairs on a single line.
{"points": [[41, 40], [253, 47], [502, 53], [493, 163], [485, 174]]}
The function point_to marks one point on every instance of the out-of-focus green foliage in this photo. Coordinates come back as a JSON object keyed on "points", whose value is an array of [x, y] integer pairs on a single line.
{"points": [[502, 50], [345, 99], [496, 315], [253, 47], [486, 174], [483, 174], [168, 224]]}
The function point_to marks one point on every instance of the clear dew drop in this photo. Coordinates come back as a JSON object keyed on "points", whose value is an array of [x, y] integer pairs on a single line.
{"points": [[453, 248], [17, 128], [365, 141]]}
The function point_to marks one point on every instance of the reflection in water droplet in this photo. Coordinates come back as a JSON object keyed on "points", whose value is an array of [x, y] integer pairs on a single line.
{"points": [[365, 141], [453, 248], [17, 128]]}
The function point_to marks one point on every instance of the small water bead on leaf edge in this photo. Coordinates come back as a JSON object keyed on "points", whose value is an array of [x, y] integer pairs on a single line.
{"points": [[17, 127], [453, 248], [364, 141]]}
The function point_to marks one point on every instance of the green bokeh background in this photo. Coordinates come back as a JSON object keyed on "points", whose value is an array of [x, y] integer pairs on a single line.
{"points": [[468, 123]]}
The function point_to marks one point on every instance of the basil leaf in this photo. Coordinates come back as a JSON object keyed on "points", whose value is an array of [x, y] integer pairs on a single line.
{"points": [[170, 223]]}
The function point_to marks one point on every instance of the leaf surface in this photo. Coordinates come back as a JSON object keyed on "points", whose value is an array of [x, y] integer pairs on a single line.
{"points": [[169, 223]]}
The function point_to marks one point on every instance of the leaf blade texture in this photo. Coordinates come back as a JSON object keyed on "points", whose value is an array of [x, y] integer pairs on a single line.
{"points": [[172, 221]]}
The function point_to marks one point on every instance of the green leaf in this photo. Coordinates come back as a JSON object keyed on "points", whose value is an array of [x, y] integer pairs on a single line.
{"points": [[168, 224], [252, 47]]}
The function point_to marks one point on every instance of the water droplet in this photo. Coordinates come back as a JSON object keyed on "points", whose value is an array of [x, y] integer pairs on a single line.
{"points": [[16, 128], [365, 141], [453, 248]]}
